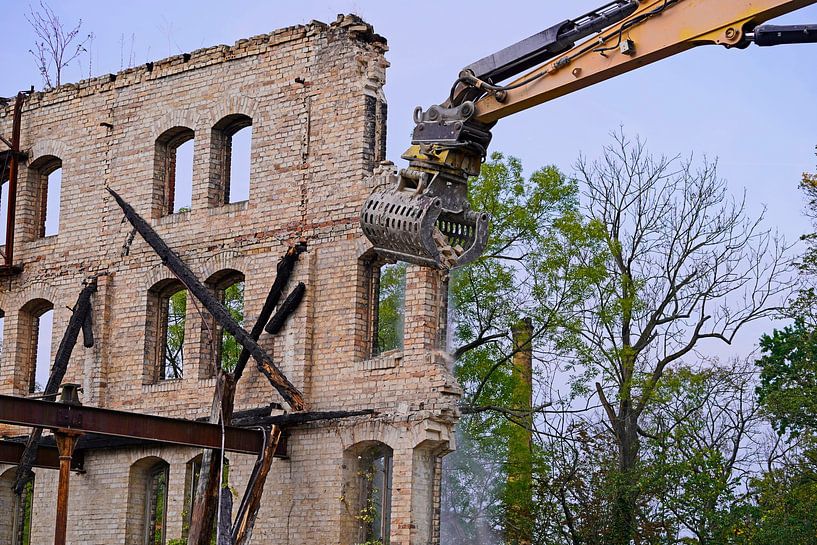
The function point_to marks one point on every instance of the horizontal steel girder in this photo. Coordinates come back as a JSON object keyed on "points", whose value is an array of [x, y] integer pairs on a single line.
{"points": [[46, 414]]}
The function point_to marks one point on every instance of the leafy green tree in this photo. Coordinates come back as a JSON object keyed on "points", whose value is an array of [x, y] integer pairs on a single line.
{"points": [[786, 510], [536, 267], [234, 302], [700, 446], [391, 307], [174, 335], [788, 377]]}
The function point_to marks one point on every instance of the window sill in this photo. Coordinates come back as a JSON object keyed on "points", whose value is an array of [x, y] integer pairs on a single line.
{"points": [[170, 385], [387, 360], [229, 208], [176, 217], [174, 384], [43, 242]]}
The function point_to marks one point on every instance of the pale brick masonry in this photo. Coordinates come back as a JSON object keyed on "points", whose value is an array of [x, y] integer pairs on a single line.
{"points": [[314, 96]]}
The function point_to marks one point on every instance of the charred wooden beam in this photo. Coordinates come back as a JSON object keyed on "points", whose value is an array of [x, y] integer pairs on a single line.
{"points": [[82, 309], [295, 419], [80, 315], [88, 331], [251, 501], [265, 364], [204, 508], [289, 306], [283, 273]]}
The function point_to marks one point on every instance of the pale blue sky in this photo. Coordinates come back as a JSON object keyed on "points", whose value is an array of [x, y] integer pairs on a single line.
{"points": [[756, 110]]}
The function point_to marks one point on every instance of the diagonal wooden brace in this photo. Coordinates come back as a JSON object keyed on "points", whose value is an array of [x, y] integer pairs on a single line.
{"points": [[285, 388]]}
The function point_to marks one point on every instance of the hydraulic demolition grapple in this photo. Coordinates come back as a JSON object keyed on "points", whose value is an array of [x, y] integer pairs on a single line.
{"points": [[422, 215]]}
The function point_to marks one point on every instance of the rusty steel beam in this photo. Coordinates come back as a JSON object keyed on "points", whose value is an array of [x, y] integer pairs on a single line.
{"points": [[45, 414], [81, 312], [47, 457], [8, 265], [65, 443]]}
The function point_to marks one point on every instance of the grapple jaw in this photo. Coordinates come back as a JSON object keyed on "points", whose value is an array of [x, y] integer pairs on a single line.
{"points": [[423, 218]]}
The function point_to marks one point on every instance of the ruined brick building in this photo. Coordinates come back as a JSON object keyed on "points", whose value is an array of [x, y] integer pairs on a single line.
{"points": [[313, 98]]}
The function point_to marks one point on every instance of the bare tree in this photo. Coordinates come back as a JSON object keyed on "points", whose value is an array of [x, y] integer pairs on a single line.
{"points": [[55, 47], [686, 264]]}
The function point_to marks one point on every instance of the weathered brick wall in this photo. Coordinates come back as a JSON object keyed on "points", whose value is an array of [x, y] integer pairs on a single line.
{"points": [[314, 94]]}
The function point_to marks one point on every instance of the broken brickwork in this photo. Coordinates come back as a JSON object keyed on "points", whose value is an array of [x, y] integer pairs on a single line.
{"points": [[313, 94]]}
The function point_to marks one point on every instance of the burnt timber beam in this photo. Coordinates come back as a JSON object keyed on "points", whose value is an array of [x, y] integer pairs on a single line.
{"points": [[204, 508], [287, 308], [285, 421], [251, 501], [169, 258], [46, 458], [45, 414], [282, 275]]}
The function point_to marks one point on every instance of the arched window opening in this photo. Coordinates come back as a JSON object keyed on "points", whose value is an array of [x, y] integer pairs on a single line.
{"points": [[173, 170], [146, 522], [46, 173], [220, 350], [15, 522], [232, 145], [368, 481], [36, 325], [191, 483], [167, 319], [156, 504], [42, 367], [387, 300], [238, 186]]}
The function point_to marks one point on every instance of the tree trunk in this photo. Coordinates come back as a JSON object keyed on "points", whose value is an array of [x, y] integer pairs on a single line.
{"points": [[623, 525]]}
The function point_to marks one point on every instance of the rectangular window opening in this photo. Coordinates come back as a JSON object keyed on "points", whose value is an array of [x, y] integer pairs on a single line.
{"points": [[51, 219], [229, 349], [237, 188], [42, 358], [23, 507], [156, 506], [172, 318], [4, 210], [389, 298], [182, 176]]}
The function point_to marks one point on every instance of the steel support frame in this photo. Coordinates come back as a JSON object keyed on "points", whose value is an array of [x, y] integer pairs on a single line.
{"points": [[45, 414]]}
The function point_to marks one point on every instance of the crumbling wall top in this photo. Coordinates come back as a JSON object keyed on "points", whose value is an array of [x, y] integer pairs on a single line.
{"points": [[348, 26]]}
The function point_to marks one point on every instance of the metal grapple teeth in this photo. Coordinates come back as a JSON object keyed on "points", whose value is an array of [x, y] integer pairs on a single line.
{"points": [[424, 219]]}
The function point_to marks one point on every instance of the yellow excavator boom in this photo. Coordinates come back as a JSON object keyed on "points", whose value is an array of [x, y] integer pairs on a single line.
{"points": [[422, 215], [658, 29]]}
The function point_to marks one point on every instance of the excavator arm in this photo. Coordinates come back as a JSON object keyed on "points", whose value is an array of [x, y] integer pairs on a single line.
{"points": [[422, 215]]}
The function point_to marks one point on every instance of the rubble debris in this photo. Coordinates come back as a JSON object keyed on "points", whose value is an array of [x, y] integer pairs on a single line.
{"points": [[450, 255]]}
